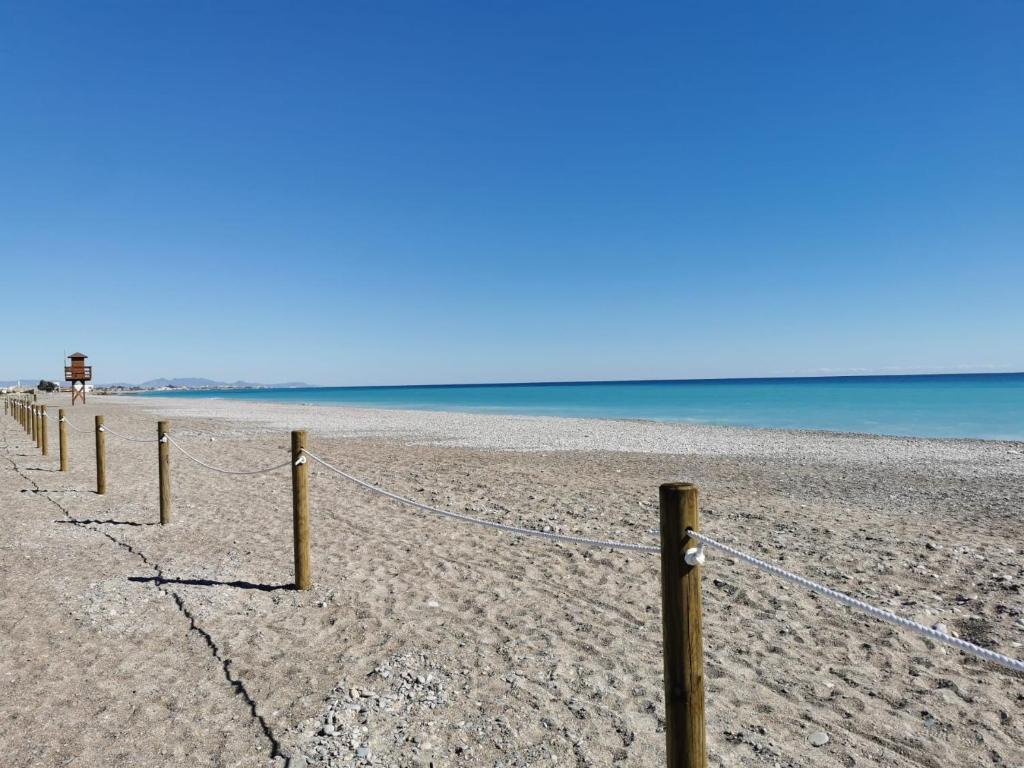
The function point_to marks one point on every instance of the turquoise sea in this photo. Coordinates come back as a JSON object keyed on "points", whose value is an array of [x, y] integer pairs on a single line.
{"points": [[989, 406]]}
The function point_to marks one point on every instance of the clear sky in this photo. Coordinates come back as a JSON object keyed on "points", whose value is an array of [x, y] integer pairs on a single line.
{"points": [[404, 192]]}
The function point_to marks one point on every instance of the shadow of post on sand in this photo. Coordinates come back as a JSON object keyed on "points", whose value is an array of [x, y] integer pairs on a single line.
{"points": [[161, 581]]}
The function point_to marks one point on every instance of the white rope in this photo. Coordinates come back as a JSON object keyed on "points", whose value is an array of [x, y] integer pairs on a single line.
{"points": [[108, 430], [486, 523], [73, 427], [852, 602], [220, 469]]}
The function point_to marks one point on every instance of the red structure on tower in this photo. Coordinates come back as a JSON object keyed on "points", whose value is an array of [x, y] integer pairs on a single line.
{"points": [[77, 373]]}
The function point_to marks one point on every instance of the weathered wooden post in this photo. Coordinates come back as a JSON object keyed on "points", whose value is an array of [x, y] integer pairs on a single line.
{"points": [[163, 429], [101, 457], [43, 441], [300, 510], [685, 738], [35, 424], [62, 439]]}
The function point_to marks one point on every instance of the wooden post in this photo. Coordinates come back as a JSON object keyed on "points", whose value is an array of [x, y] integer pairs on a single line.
{"points": [[300, 510], [62, 439], [43, 442], [164, 455], [101, 457], [34, 425], [685, 737]]}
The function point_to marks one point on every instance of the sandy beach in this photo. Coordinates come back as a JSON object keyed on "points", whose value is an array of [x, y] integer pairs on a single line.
{"points": [[428, 643]]}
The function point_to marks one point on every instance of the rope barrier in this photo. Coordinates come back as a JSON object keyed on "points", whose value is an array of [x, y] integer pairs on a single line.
{"points": [[693, 556], [486, 523], [878, 613], [73, 427], [222, 470]]}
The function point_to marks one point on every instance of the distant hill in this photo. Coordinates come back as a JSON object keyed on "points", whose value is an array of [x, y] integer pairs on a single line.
{"points": [[182, 383], [198, 383]]}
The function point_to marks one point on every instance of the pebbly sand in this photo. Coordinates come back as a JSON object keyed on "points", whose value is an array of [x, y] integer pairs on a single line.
{"points": [[425, 642]]}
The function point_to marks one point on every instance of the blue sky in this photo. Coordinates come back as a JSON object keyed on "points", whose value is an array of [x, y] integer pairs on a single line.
{"points": [[384, 192]]}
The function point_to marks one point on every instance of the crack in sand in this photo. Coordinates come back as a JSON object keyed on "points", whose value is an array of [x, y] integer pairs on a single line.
{"points": [[235, 682]]}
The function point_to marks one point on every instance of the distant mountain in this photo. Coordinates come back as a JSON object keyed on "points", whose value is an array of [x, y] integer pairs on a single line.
{"points": [[200, 383], [181, 383]]}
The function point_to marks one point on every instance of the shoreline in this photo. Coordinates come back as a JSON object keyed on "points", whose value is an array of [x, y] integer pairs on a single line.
{"points": [[521, 432], [563, 412]]}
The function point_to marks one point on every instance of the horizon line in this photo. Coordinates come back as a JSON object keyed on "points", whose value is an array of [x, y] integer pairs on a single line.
{"points": [[577, 382]]}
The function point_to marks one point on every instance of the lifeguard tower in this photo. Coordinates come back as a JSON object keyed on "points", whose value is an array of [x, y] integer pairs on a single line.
{"points": [[77, 373]]}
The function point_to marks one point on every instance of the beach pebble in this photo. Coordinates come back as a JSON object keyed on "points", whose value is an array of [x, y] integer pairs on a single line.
{"points": [[818, 739]]}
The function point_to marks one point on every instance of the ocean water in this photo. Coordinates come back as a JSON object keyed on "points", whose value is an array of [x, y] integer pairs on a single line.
{"points": [[989, 406]]}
